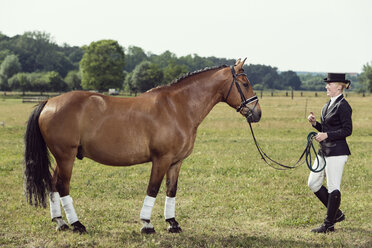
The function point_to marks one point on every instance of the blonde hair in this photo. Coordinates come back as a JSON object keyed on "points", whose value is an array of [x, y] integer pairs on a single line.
{"points": [[343, 85]]}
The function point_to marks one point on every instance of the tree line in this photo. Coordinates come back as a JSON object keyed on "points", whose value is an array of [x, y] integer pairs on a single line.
{"points": [[34, 62]]}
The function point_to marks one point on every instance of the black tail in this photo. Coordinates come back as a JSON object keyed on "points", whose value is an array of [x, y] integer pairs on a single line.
{"points": [[38, 179]]}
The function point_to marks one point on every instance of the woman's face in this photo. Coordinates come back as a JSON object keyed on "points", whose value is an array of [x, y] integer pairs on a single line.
{"points": [[333, 89]]}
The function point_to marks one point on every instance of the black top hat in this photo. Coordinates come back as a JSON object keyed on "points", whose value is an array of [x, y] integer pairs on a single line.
{"points": [[337, 77]]}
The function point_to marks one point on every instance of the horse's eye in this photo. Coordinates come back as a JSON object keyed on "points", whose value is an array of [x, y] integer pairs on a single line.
{"points": [[246, 85]]}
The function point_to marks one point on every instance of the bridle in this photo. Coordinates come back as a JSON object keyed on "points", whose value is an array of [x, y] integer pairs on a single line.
{"points": [[244, 101], [269, 161]]}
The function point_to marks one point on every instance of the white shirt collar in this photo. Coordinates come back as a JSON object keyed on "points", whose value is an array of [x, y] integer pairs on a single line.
{"points": [[333, 99]]}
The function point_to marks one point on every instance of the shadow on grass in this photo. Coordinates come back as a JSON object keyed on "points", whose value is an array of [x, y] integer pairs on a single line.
{"points": [[135, 239], [186, 239], [241, 240]]}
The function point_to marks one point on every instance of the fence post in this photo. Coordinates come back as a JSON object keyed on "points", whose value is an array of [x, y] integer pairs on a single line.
{"points": [[292, 94]]}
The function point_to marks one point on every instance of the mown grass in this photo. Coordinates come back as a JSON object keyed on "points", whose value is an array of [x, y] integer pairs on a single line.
{"points": [[227, 196]]}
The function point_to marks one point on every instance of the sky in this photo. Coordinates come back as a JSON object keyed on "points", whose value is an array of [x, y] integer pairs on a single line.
{"points": [[298, 35]]}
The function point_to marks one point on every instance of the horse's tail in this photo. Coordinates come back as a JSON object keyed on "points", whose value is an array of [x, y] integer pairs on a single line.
{"points": [[38, 179]]}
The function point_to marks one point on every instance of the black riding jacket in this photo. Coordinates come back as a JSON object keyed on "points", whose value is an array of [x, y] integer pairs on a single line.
{"points": [[337, 123]]}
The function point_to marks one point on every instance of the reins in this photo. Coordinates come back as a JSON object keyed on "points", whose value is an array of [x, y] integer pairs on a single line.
{"points": [[305, 154]]}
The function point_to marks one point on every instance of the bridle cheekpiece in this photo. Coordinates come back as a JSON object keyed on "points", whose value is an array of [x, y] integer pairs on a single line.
{"points": [[244, 101]]}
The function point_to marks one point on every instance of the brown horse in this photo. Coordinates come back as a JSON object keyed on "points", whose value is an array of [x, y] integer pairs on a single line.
{"points": [[158, 126]]}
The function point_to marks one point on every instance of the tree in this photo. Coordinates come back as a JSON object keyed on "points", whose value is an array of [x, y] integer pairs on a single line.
{"points": [[289, 79], [164, 59], [20, 81], [265, 75], [38, 52], [173, 71], [133, 57], [55, 81], [312, 81], [73, 80], [39, 82], [8, 68], [128, 84], [102, 66], [3, 54], [146, 75], [366, 77]]}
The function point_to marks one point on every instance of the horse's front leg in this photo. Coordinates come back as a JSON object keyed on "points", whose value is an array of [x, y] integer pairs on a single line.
{"points": [[159, 168], [170, 199]]}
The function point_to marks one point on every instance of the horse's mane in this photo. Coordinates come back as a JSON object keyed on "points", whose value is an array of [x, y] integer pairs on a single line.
{"points": [[187, 75]]}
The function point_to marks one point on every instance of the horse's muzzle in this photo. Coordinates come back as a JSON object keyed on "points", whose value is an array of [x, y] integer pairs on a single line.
{"points": [[251, 115]]}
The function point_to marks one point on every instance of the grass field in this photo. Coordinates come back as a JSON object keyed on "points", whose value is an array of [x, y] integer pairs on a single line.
{"points": [[227, 196]]}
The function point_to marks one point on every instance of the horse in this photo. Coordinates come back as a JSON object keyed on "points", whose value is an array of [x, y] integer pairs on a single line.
{"points": [[158, 126]]}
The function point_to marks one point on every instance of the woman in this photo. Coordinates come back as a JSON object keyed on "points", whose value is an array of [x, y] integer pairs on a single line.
{"points": [[335, 126]]}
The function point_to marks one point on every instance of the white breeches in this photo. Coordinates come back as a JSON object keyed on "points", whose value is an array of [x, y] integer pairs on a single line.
{"points": [[333, 173]]}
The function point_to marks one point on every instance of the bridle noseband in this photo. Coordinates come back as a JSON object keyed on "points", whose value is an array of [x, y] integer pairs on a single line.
{"points": [[244, 101]]}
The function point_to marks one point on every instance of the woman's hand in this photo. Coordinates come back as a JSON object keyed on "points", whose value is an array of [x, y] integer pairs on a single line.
{"points": [[321, 136], [312, 118]]}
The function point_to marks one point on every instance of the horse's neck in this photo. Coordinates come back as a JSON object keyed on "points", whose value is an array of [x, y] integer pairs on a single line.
{"points": [[198, 97]]}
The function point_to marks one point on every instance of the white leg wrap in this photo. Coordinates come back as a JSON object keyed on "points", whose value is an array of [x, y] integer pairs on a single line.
{"points": [[146, 210], [170, 207], [55, 205], [69, 209]]}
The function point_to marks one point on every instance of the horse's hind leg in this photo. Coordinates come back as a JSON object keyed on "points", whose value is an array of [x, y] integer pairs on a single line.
{"points": [[61, 177], [170, 200], [55, 206]]}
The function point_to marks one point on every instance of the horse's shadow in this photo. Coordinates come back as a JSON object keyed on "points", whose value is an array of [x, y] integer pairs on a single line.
{"points": [[189, 239]]}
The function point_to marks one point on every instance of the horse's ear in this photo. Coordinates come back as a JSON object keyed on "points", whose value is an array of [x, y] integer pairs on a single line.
{"points": [[237, 62]]}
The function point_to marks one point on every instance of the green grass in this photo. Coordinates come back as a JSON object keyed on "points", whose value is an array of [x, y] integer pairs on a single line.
{"points": [[227, 196]]}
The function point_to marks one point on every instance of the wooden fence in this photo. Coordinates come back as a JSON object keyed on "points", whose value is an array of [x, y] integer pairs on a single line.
{"points": [[34, 99]]}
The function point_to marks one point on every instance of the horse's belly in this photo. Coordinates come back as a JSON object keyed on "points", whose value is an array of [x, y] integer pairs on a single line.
{"points": [[117, 148], [120, 155]]}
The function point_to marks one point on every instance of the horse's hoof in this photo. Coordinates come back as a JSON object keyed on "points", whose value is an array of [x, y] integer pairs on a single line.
{"points": [[61, 224], [174, 227], [147, 230], [62, 227], [78, 227], [147, 227]]}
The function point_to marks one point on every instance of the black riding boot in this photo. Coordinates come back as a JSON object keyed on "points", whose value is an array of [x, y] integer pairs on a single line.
{"points": [[334, 201], [322, 195]]}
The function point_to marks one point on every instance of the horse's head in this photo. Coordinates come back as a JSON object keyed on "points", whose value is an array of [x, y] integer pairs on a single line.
{"points": [[239, 94]]}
